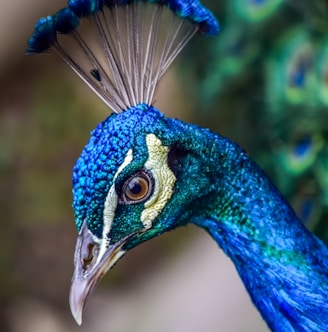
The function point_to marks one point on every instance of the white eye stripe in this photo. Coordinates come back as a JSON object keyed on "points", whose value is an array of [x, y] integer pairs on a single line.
{"points": [[127, 160], [110, 206], [164, 180]]}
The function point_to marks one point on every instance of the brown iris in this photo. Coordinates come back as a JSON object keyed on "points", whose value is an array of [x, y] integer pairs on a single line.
{"points": [[137, 188]]}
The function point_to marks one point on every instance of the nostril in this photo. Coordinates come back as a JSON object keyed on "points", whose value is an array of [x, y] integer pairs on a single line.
{"points": [[89, 256]]}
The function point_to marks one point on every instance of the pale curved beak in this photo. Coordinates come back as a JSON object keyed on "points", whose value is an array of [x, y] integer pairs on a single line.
{"points": [[89, 268]]}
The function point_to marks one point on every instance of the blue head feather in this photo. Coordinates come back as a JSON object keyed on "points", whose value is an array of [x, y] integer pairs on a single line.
{"points": [[65, 21], [85, 7], [43, 37], [94, 171]]}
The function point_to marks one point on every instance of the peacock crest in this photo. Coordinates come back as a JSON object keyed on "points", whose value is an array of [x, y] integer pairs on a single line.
{"points": [[121, 49]]}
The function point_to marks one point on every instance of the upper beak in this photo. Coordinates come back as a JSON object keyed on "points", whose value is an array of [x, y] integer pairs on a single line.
{"points": [[90, 265]]}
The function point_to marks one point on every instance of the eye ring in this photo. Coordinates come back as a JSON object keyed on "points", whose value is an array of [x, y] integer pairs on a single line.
{"points": [[137, 188]]}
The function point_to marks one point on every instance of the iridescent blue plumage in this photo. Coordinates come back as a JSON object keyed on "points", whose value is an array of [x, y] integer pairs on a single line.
{"points": [[142, 174], [66, 20], [93, 171], [86, 7], [44, 35], [281, 263]]}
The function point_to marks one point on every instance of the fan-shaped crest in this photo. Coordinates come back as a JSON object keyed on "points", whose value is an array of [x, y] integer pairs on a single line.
{"points": [[121, 49]]}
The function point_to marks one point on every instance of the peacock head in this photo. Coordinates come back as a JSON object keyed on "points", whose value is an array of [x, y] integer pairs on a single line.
{"points": [[123, 183], [133, 181]]}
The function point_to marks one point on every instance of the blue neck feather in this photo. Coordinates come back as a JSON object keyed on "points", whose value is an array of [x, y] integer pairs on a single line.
{"points": [[283, 266]]}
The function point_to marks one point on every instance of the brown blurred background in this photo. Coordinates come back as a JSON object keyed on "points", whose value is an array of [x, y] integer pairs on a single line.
{"points": [[180, 282]]}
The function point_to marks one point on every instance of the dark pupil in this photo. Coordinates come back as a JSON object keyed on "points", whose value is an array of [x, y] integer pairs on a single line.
{"points": [[135, 187]]}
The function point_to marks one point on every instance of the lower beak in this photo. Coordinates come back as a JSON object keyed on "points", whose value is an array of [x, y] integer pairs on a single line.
{"points": [[89, 268]]}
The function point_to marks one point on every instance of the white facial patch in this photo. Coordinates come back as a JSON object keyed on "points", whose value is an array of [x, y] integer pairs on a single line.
{"points": [[164, 180], [110, 207]]}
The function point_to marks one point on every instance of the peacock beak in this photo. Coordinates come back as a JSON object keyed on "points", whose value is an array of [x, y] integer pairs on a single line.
{"points": [[91, 263]]}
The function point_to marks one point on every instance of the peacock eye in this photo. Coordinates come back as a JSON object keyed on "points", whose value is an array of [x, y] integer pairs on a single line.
{"points": [[137, 188]]}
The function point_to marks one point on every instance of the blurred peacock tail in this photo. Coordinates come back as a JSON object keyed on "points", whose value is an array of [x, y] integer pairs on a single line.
{"points": [[269, 66], [142, 174]]}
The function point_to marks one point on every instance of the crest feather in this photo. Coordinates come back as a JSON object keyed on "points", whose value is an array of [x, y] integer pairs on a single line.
{"points": [[121, 49]]}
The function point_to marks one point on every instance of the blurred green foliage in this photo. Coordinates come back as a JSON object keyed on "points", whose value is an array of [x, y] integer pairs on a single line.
{"points": [[263, 83]]}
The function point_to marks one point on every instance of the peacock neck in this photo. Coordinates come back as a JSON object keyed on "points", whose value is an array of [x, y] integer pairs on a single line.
{"points": [[282, 264]]}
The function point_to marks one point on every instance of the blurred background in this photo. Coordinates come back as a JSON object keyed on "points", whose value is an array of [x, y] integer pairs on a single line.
{"points": [[263, 82]]}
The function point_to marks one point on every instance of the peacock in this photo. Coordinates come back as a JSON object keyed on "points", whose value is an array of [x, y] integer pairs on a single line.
{"points": [[142, 174]]}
